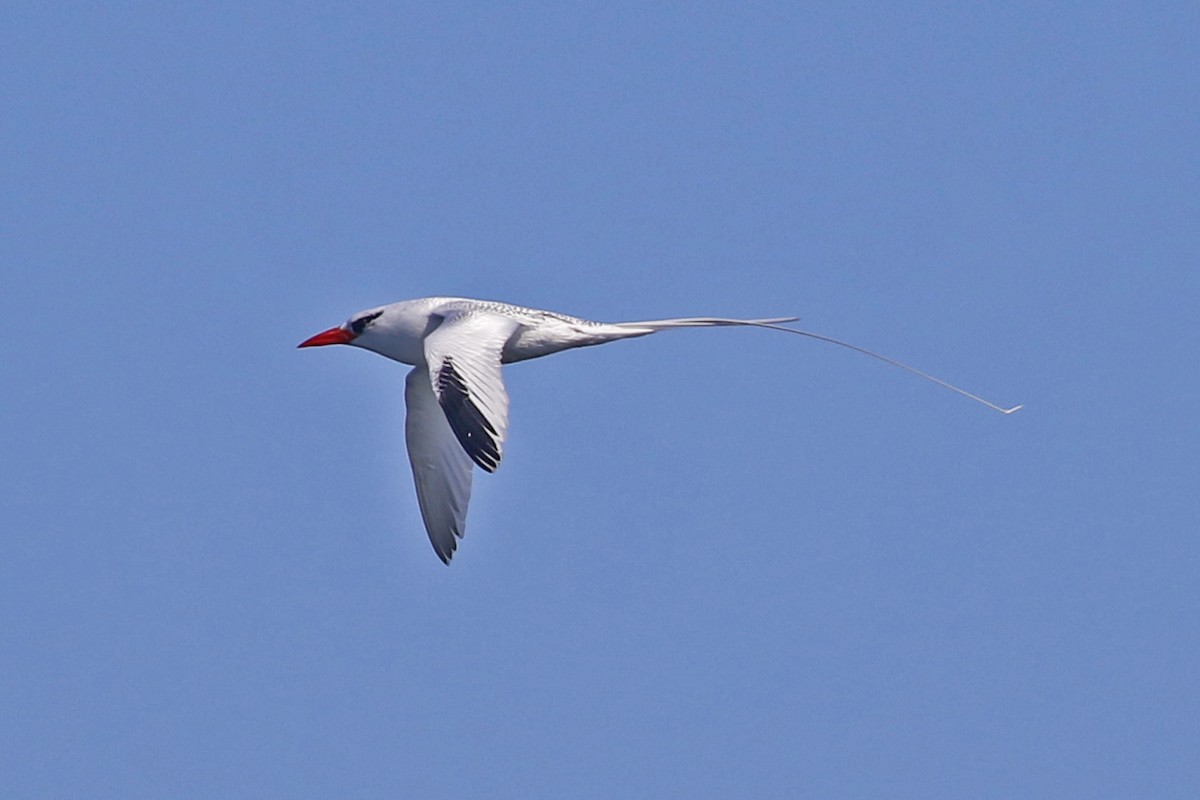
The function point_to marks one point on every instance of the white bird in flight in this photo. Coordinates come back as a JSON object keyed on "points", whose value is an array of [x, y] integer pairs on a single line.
{"points": [[457, 406]]}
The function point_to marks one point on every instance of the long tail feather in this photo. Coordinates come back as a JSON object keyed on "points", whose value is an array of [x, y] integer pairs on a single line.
{"points": [[652, 326]]}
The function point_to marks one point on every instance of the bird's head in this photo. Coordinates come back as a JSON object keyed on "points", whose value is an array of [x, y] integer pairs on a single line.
{"points": [[356, 331]]}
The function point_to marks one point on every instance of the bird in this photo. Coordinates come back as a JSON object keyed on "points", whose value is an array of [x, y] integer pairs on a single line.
{"points": [[457, 407]]}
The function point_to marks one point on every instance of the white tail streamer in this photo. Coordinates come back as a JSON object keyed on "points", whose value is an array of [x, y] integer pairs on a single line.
{"points": [[774, 325]]}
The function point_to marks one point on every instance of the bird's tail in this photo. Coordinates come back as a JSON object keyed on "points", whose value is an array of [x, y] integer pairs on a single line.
{"points": [[632, 329], [655, 325]]}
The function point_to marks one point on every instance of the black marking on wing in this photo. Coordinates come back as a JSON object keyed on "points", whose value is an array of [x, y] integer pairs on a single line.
{"points": [[474, 432]]}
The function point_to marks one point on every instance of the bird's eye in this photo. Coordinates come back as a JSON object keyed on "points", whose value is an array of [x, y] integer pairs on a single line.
{"points": [[360, 324]]}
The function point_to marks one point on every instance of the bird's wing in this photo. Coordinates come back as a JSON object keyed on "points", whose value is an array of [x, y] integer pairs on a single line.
{"points": [[441, 468], [463, 357]]}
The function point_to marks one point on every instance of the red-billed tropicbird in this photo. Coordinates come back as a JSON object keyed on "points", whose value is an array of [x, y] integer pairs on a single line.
{"points": [[457, 406]]}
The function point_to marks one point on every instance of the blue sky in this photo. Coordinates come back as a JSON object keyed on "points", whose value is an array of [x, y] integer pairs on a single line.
{"points": [[714, 563]]}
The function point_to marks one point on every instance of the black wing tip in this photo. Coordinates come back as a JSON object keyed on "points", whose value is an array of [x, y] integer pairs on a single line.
{"points": [[479, 446], [472, 429], [445, 553]]}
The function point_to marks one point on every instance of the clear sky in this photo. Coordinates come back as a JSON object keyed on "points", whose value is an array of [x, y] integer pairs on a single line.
{"points": [[715, 563]]}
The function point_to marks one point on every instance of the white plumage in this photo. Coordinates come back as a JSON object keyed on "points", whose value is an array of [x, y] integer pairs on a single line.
{"points": [[456, 402]]}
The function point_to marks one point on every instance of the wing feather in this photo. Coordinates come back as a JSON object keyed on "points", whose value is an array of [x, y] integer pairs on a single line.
{"points": [[441, 468], [463, 354]]}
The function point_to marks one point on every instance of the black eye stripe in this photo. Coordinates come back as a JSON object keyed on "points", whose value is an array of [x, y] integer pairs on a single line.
{"points": [[361, 323]]}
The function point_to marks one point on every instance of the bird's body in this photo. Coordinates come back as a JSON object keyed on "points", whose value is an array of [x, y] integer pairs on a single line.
{"points": [[456, 402], [400, 330]]}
